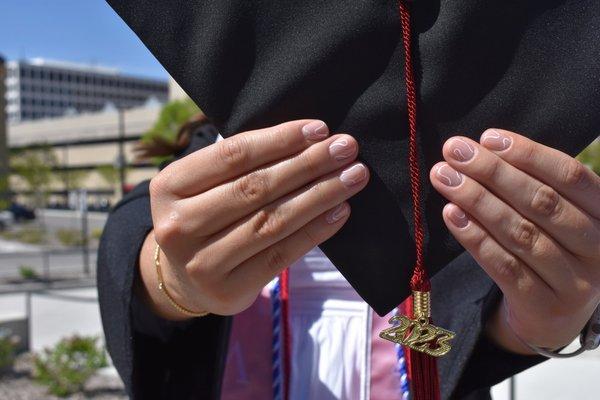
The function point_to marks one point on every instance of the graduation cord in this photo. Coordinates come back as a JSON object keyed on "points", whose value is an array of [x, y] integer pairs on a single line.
{"points": [[281, 349], [276, 356]]}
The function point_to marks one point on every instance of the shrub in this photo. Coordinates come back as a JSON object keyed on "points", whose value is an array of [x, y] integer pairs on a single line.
{"points": [[96, 233], [66, 367], [26, 235], [8, 348], [69, 237], [28, 272]]}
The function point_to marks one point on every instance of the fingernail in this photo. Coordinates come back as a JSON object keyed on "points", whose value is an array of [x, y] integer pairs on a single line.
{"points": [[458, 217], [337, 213], [341, 149], [353, 175], [448, 175], [461, 150], [495, 140], [315, 130]]}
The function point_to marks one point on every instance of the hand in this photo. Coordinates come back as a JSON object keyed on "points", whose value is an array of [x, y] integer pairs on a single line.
{"points": [[530, 216], [231, 216]]}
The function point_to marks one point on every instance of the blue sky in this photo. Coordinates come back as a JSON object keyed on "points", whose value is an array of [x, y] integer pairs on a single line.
{"points": [[86, 31]]}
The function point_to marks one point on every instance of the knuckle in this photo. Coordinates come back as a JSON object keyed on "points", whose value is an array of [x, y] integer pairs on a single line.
{"points": [[509, 267], [275, 259], [252, 188], [491, 170], [158, 185], [575, 174], [525, 235], [309, 164], [279, 138], [317, 191], [167, 231], [477, 199], [268, 223], [545, 201], [233, 152]]}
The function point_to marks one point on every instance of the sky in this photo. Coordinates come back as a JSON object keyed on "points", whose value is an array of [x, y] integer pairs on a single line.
{"points": [[83, 31]]}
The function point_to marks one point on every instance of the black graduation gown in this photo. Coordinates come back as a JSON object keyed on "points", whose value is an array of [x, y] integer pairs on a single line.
{"points": [[528, 66]]}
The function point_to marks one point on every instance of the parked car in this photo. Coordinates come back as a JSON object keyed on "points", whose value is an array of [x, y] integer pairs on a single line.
{"points": [[21, 213]]}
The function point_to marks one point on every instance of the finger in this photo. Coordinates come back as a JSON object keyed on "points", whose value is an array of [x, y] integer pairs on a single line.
{"points": [[538, 202], [555, 168], [215, 209], [237, 243], [237, 155], [257, 271], [514, 232], [516, 279]]}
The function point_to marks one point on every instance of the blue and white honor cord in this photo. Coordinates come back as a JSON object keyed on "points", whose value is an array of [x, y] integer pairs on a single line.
{"points": [[402, 371], [276, 349]]}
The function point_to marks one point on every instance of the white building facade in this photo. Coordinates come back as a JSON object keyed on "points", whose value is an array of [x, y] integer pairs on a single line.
{"points": [[39, 88]]}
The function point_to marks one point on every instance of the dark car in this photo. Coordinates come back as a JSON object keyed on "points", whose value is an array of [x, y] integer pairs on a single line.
{"points": [[21, 213]]}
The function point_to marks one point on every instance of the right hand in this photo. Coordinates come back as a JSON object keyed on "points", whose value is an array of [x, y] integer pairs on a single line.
{"points": [[233, 215]]}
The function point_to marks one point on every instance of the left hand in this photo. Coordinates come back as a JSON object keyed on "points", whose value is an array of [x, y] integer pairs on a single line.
{"points": [[530, 216]]}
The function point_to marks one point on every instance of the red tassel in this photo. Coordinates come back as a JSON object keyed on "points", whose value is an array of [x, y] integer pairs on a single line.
{"points": [[284, 279], [422, 368]]}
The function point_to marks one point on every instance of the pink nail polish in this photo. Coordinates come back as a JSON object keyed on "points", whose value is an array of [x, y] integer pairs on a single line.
{"points": [[353, 175], [461, 150], [337, 213], [315, 130], [448, 175], [341, 149], [458, 217], [495, 140]]}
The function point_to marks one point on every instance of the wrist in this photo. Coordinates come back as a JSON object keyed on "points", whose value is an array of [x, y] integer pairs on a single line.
{"points": [[148, 289]]}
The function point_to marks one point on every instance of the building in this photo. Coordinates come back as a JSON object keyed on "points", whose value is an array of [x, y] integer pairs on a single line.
{"points": [[40, 88], [83, 144]]}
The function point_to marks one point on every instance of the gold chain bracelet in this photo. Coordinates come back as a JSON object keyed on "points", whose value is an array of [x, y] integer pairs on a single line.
{"points": [[163, 288]]}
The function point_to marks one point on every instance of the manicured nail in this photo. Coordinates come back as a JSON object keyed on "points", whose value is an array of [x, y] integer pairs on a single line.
{"points": [[337, 213], [448, 175], [458, 217], [341, 149], [315, 130], [353, 175], [495, 140], [461, 150]]}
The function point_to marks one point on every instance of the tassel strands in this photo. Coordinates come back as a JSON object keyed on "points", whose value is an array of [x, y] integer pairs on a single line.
{"points": [[421, 340]]}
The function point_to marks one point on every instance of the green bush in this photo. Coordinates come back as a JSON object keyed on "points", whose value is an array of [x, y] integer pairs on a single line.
{"points": [[66, 368], [8, 347], [26, 235], [27, 272], [96, 233], [69, 237]]}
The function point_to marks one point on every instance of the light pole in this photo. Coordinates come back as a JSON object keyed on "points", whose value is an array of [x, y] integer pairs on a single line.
{"points": [[4, 187], [121, 161]]}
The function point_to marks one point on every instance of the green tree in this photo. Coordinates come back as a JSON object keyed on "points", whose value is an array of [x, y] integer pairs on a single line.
{"points": [[71, 179], [590, 156], [34, 167], [109, 174], [172, 116]]}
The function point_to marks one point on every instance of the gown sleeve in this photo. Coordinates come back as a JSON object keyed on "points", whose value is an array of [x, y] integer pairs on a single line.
{"points": [[155, 358], [465, 298]]}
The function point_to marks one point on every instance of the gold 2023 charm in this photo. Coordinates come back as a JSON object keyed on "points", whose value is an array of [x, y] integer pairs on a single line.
{"points": [[417, 333]]}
